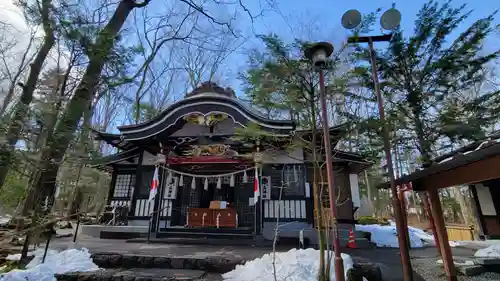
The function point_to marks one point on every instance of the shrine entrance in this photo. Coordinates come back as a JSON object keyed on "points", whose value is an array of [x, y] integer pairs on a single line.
{"points": [[210, 199]]}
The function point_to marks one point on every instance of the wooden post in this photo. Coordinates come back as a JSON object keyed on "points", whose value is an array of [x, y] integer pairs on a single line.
{"points": [[111, 189], [138, 183], [402, 200], [427, 206], [478, 213], [437, 213]]}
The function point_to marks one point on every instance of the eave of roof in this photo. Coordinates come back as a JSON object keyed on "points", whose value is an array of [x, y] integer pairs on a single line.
{"points": [[115, 140], [486, 150], [115, 158]]}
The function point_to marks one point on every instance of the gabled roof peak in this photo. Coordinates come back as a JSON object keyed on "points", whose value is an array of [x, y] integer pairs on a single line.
{"points": [[211, 87]]}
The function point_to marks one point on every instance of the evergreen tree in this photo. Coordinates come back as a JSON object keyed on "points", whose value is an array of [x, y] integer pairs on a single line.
{"points": [[425, 75]]}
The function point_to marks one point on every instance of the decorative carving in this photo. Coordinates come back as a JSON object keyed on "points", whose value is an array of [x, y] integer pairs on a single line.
{"points": [[161, 158], [184, 140], [211, 150], [209, 119], [211, 87], [194, 167]]}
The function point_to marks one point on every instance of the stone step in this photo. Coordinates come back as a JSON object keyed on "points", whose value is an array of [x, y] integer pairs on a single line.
{"points": [[202, 235], [136, 274], [224, 241]]}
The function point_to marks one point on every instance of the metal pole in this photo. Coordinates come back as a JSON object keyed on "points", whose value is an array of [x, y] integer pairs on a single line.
{"points": [[255, 211], [77, 226], [403, 247], [149, 229], [338, 262], [49, 236]]}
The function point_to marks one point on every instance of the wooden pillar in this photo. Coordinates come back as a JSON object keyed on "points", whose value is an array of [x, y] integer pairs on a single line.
{"points": [[402, 200], [437, 214], [427, 206], [138, 183], [111, 189], [478, 212]]}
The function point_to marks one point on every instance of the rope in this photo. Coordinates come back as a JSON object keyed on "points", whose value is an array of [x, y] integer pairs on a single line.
{"points": [[206, 176]]}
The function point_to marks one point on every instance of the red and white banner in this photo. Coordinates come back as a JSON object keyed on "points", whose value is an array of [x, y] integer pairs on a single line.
{"points": [[256, 187], [154, 185]]}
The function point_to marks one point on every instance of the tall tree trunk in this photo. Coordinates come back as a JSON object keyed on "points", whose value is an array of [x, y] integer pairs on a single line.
{"points": [[424, 146], [76, 199], [369, 190], [21, 111], [464, 209], [57, 143]]}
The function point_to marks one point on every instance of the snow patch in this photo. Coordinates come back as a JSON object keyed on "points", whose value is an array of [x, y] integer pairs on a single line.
{"points": [[294, 265], [456, 243], [386, 235], [490, 252], [4, 219], [457, 263], [72, 260], [16, 257]]}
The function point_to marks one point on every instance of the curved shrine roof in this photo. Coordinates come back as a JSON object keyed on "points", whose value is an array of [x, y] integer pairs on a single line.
{"points": [[204, 100]]}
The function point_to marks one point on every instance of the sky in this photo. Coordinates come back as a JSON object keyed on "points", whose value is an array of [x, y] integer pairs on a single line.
{"points": [[305, 19], [312, 19], [324, 16]]}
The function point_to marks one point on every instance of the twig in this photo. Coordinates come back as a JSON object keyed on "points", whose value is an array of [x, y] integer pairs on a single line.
{"points": [[10, 235]]}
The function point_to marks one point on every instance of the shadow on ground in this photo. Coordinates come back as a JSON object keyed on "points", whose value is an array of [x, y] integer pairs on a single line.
{"points": [[387, 259]]}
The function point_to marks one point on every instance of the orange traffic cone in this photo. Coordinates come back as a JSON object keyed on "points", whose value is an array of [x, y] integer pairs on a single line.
{"points": [[352, 240]]}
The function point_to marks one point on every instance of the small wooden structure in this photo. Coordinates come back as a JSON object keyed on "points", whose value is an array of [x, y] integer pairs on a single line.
{"points": [[476, 165]]}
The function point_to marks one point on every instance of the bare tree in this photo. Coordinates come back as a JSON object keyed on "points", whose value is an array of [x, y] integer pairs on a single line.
{"points": [[202, 61], [42, 9], [13, 64]]}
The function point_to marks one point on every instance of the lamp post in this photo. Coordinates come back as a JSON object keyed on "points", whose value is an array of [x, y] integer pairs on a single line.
{"points": [[389, 21], [318, 54]]}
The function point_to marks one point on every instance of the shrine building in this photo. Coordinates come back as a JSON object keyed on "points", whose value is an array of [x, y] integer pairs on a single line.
{"points": [[207, 163]]}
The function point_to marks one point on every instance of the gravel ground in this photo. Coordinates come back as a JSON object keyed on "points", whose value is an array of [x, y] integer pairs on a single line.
{"points": [[429, 270]]}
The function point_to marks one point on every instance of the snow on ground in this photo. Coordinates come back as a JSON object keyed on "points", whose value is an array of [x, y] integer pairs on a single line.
{"points": [[294, 265], [17, 257], [72, 260], [4, 219], [385, 235], [490, 252]]}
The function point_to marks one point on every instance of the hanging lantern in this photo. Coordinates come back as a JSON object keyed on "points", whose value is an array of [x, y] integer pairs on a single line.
{"points": [[161, 159], [193, 183], [181, 180], [205, 186], [219, 183], [245, 177], [231, 181]]}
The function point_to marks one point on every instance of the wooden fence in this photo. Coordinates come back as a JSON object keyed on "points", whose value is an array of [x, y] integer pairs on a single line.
{"points": [[460, 232]]}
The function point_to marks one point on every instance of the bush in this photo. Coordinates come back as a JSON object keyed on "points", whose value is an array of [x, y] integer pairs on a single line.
{"points": [[372, 220]]}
